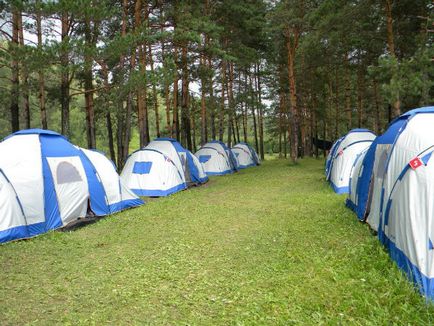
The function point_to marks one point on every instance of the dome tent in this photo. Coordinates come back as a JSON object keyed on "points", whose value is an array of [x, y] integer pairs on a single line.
{"points": [[55, 183], [343, 156], [406, 215], [217, 158], [162, 168], [245, 155]]}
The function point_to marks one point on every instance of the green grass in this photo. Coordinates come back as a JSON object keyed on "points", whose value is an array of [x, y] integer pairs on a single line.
{"points": [[269, 245]]}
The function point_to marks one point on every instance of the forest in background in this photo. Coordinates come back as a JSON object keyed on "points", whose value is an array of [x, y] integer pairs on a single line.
{"points": [[113, 75]]}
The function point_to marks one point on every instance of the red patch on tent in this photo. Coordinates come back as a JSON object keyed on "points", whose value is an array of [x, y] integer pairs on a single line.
{"points": [[415, 163]]}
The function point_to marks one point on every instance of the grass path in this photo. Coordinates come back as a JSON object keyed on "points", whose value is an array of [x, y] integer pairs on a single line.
{"points": [[269, 245]]}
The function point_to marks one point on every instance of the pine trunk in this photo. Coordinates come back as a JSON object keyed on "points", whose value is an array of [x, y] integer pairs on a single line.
{"points": [[142, 109], [231, 106], [391, 47], [105, 74], [245, 109], [255, 128], [193, 124], [15, 89], [154, 93], [337, 110], [348, 93], [212, 102], [124, 113], [64, 76], [261, 113], [41, 77], [175, 123], [166, 84], [203, 113], [291, 48], [25, 77], [185, 114], [88, 86], [222, 106], [377, 126], [360, 85]]}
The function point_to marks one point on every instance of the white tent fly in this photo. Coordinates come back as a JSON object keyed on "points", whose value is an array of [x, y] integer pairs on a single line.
{"points": [[406, 221], [54, 183], [162, 168], [216, 158], [245, 155], [344, 155]]}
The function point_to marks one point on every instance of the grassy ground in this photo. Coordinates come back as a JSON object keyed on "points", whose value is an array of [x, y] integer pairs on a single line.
{"points": [[269, 245]]}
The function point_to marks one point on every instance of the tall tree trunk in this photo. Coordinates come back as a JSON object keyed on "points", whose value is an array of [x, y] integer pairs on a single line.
{"points": [[88, 85], [193, 123], [124, 113], [231, 104], [185, 114], [245, 108], [175, 123], [41, 78], [281, 130], [253, 97], [222, 106], [110, 136], [203, 113], [348, 93], [15, 90], [25, 77], [360, 87], [389, 27], [237, 128], [391, 47], [105, 75], [154, 93], [212, 104], [330, 107], [142, 108], [127, 134], [377, 124], [308, 140], [337, 110], [291, 45], [64, 75], [315, 124], [166, 83], [260, 113]]}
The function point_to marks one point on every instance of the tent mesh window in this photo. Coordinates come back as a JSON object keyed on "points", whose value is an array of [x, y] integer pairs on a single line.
{"points": [[381, 168], [67, 173]]}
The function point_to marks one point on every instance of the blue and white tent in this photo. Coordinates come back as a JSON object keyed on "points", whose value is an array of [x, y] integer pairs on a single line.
{"points": [[217, 158], [406, 205], [162, 168], [343, 156], [245, 155], [53, 183]]}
